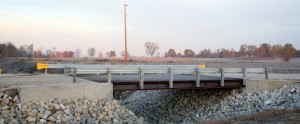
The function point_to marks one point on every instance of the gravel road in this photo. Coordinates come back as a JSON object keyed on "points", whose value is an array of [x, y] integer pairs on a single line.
{"points": [[13, 80]]}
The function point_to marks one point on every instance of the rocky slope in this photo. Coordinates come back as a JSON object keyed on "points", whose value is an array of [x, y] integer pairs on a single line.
{"points": [[64, 111], [202, 105]]}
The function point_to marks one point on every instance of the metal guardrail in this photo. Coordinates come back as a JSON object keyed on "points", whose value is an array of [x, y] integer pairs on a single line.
{"points": [[73, 70]]}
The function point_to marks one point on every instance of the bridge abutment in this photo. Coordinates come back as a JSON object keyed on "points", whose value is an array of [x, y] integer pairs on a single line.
{"points": [[70, 91], [47, 87], [266, 85]]}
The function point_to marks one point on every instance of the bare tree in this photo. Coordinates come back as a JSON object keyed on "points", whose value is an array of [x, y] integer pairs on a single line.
{"points": [[91, 52], [288, 52], [179, 54], [22, 51], [30, 51], [53, 53], [232, 53], [243, 50], [2, 50], [206, 53], [77, 53], [189, 53], [38, 53], [123, 54], [48, 53], [8, 50], [251, 51], [111, 54], [170, 53], [100, 55], [151, 48], [12, 49], [67, 54], [276, 50], [266, 49]]}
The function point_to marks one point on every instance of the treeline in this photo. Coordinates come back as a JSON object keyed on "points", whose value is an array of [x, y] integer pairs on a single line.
{"points": [[9, 50], [264, 50]]}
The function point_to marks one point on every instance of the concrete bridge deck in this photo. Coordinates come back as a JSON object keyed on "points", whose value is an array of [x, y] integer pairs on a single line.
{"points": [[161, 81]]}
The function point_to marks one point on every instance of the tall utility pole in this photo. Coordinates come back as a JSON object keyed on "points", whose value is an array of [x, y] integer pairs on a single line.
{"points": [[125, 28]]}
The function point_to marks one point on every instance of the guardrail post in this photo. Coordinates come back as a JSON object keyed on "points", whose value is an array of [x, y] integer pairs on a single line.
{"points": [[244, 76], [74, 73], [197, 77], [141, 85], [46, 71], [267, 73], [65, 70], [108, 75], [170, 77], [222, 77]]}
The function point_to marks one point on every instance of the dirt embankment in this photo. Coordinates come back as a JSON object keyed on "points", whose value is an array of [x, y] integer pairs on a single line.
{"points": [[10, 66]]}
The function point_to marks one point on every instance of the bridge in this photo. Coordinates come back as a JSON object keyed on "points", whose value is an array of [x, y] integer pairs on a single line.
{"points": [[158, 77]]}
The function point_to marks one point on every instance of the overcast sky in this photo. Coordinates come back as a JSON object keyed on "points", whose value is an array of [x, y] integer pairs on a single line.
{"points": [[178, 24]]}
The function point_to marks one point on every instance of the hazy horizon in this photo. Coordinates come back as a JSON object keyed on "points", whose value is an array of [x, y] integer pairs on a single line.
{"points": [[189, 24]]}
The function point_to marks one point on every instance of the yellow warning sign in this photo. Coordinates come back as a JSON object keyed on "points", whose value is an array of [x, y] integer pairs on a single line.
{"points": [[41, 66], [201, 66], [0, 71]]}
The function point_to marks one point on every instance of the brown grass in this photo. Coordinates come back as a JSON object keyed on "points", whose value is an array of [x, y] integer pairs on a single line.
{"points": [[88, 60], [154, 60]]}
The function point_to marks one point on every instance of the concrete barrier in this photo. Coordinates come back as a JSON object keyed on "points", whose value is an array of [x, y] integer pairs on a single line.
{"points": [[264, 85], [44, 93]]}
